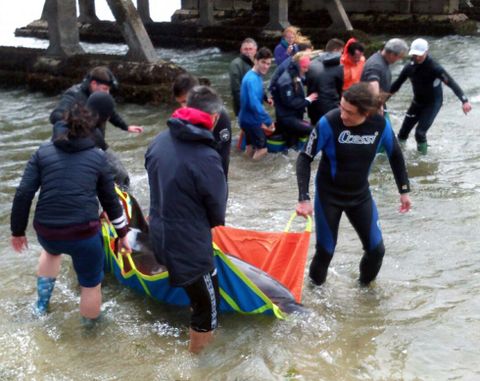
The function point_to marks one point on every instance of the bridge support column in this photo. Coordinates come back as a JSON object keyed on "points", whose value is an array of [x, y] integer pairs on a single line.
{"points": [[339, 17], [61, 16], [133, 31], [278, 15], [87, 11], [143, 7], [205, 9]]}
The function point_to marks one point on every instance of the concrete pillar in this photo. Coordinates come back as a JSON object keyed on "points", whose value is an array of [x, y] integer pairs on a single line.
{"points": [[133, 31], [87, 11], [278, 15], [44, 12], [338, 15], [62, 28], [143, 7], [205, 9]]}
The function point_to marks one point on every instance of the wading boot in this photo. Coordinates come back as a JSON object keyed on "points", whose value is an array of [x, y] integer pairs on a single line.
{"points": [[422, 148], [44, 290]]}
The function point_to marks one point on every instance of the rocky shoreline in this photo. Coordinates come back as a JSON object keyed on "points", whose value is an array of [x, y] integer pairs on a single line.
{"points": [[143, 83]]}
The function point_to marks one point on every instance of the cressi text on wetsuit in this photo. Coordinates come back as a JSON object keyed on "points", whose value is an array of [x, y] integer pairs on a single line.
{"points": [[342, 186]]}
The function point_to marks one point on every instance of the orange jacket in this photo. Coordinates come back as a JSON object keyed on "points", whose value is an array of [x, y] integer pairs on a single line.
{"points": [[352, 71]]}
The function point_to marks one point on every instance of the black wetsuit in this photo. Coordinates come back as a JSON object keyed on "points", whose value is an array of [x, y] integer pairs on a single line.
{"points": [[426, 79], [342, 186]]}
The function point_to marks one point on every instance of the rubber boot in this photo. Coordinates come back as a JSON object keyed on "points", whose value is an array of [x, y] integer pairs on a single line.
{"points": [[45, 287], [422, 148]]}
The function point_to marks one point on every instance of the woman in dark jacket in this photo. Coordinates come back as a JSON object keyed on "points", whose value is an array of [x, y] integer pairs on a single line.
{"points": [[71, 173], [291, 102]]}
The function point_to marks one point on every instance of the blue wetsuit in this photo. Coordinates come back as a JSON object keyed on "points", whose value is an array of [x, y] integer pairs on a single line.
{"points": [[426, 79], [252, 113], [342, 186]]}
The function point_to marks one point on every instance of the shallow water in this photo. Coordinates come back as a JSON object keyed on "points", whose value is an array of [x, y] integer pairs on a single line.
{"points": [[419, 321]]}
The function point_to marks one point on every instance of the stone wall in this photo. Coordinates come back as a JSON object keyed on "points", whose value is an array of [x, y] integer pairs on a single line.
{"points": [[356, 6]]}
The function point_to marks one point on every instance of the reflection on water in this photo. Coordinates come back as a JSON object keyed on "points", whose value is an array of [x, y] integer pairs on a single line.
{"points": [[419, 321]]}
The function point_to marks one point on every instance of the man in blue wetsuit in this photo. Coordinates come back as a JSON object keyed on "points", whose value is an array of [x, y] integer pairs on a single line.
{"points": [[426, 76], [349, 139]]}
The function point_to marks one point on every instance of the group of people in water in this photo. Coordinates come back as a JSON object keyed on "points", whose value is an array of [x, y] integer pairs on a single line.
{"points": [[311, 81], [187, 164]]}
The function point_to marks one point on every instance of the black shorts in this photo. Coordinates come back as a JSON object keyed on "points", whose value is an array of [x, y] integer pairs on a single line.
{"points": [[204, 299]]}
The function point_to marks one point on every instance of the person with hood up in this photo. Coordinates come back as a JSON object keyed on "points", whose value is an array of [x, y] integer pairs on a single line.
{"points": [[73, 176], [325, 77], [290, 100], [188, 195], [353, 60]]}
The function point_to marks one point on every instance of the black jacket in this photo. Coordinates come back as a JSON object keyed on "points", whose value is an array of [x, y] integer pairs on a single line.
{"points": [[325, 77], [223, 136], [70, 175], [238, 68], [289, 95], [188, 195], [79, 93]]}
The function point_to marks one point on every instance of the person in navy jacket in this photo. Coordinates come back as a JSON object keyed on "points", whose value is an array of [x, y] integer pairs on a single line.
{"points": [[72, 174], [291, 101], [349, 139], [188, 195]]}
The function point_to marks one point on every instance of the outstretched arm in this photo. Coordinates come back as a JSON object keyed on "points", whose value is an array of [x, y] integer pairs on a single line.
{"points": [[450, 82]]}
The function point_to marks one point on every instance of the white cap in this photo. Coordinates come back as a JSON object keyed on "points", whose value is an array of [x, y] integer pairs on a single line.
{"points": [[418, 48]]}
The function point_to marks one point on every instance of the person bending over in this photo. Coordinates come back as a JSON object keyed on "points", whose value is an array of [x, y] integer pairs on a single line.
{"points": [[71, 173], [291, 101]]}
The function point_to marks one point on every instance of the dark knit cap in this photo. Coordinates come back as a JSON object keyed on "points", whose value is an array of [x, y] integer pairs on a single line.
{"points": [[102, 104]]}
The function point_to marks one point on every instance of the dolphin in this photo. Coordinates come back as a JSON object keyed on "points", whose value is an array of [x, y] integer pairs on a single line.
{"points": [[146, 262]]}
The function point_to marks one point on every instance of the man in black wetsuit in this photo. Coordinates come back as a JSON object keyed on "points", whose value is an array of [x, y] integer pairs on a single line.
{"points": [[426, 76], [349, 139]]}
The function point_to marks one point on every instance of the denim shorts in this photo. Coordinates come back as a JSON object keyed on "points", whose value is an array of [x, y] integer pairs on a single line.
{"points": [[87, 255]]}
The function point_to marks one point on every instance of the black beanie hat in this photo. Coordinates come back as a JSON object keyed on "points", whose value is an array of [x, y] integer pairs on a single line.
{"points": [[102, 104]]}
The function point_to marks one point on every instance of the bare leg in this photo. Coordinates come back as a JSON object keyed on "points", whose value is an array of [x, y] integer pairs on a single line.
{"points": [[49, 265], [260, 153], [90, 301], [249, 150], [199, 340]]}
